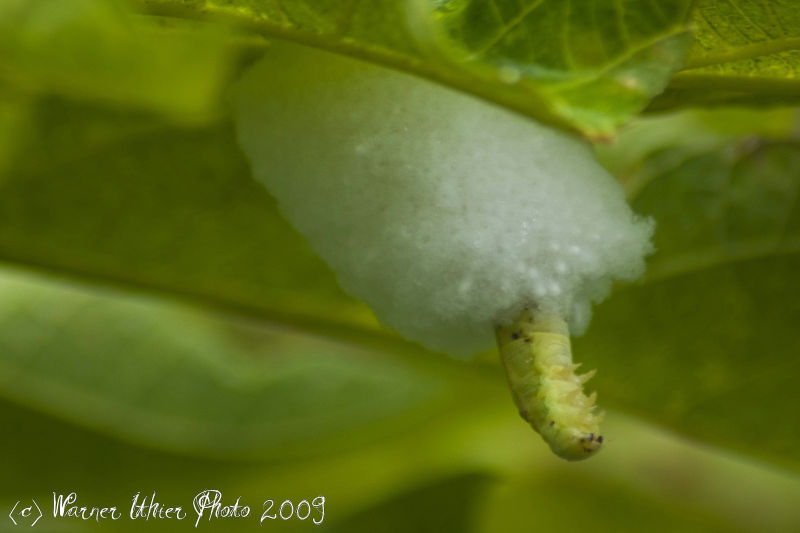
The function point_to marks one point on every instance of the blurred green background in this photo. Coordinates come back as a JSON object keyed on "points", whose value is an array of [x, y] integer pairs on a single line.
{"points": [[163, 328]]}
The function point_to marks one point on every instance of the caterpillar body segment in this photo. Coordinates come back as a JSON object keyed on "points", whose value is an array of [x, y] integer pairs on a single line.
{"points": [[536, 353]]}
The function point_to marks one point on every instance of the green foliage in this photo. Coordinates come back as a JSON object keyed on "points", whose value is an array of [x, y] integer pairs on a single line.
{"points": [[744, 52], [597, 64], [583, 65], [119, 169], [90, 49], [175, 379], [710, 328]]}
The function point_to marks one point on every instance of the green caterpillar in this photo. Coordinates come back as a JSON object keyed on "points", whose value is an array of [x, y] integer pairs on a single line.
{"points": [[536, 353]]}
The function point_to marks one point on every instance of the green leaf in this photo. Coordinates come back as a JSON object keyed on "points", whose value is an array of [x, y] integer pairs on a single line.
{"points": [[94, 50], [597, 64], [577, 65], [707, 343], [173, 378], [744, 52]]}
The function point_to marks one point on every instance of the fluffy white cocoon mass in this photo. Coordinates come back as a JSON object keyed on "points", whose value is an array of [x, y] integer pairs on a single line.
{"points": [[444, 213]]}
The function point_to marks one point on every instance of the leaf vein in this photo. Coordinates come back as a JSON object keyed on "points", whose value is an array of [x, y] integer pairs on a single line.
{"points": [[513, 23], [619, 11]]}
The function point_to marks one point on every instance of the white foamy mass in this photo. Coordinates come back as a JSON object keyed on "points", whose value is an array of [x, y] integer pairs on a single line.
{"points": [[444, 213]]}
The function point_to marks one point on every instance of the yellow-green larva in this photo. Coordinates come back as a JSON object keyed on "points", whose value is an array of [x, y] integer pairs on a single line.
{"points": [[536, 353]]}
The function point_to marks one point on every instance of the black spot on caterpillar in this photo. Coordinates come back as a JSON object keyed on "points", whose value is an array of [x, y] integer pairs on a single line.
{"points": [[537, 356]]}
